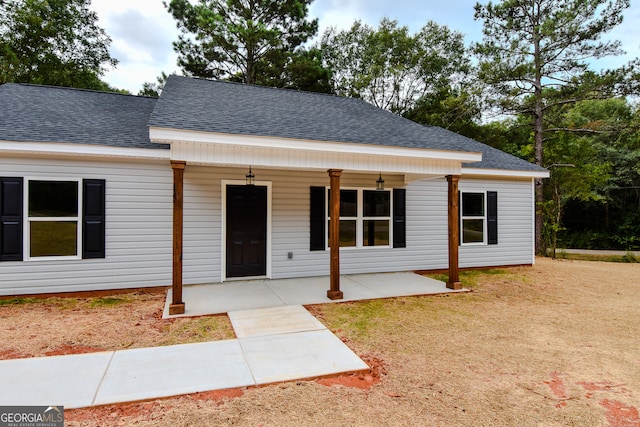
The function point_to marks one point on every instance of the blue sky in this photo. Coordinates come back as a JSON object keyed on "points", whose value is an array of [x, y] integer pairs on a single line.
{"points": [[142, 30]]}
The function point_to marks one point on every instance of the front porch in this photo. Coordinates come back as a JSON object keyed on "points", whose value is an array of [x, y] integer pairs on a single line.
{"points": [[216, 298]]}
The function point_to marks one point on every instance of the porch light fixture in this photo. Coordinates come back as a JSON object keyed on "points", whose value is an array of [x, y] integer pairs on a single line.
{"points": [[380, 183], [250, 178]]}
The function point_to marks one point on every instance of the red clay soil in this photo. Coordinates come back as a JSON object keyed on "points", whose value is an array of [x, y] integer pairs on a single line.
{"points": [[107, 415], [362, 380], [619, 414], [10, 354], [72, 349], [558, 388], [590, 388]]}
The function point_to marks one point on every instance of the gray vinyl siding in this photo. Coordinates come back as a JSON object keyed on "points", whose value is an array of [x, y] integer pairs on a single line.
{"points": [[427, 227], [138, 230], [515, 224], [139, 226]]}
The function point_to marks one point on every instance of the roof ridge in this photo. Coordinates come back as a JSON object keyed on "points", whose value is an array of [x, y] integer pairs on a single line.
{"points": [[254, 85], [79, 89]]}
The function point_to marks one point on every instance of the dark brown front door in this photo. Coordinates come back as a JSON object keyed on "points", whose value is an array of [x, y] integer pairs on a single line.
{"points": [[246, 230]]}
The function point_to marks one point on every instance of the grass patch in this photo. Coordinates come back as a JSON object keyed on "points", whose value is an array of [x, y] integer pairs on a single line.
{"points": [[629, 257], [19, 301], [201, 329], [59, 303], [469, 278], [108, 301], [358, 318]]}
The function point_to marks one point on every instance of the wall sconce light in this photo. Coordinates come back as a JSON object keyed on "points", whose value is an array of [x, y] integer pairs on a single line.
{"points": [[380, 183], [250, 177]]}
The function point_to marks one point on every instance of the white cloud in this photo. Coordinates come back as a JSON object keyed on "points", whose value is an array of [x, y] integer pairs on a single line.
{"points": [[142, 33]]}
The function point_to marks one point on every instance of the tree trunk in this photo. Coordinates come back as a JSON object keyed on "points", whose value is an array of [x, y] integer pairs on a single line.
{"points": [[538, 130]]}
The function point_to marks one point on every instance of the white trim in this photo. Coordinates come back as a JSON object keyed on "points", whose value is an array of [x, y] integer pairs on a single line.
{"points": [[360, 219], [533, 221], [484, 219], [73, 149], [223, 265], [26, 230], [505, 172], [168, 136]]}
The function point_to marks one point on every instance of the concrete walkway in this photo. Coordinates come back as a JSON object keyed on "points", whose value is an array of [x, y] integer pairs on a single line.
{"points": [[218, 298], [273, 345]]}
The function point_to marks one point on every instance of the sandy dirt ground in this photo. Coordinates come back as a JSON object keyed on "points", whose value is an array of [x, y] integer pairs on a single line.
{"points": [[557, 344]]}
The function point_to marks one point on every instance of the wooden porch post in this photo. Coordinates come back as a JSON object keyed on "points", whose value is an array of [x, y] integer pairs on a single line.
{"points": [[177, 305], [334, 235], [454, 232]]}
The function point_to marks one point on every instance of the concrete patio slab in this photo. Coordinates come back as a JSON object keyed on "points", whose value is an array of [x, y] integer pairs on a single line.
{"points": [[273, 321], [148, 373], [394, 284], [70, 380], [313, 290], [222, 298], [252, 294], [301, 355]]}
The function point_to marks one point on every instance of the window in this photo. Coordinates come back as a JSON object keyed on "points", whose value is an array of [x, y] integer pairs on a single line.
{"points": [[376, 207], [479, 218], [473, 217], [365, 218], [53, 216], [45, 218]]}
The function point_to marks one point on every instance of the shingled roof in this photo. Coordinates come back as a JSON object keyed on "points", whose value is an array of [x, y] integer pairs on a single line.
{"points": [[32, 113], [233, 108]]}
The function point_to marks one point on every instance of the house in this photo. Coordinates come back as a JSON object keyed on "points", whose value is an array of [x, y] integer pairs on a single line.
{"points": [[109, 191]]}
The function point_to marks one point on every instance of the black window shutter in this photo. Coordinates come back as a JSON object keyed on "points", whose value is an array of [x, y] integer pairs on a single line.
{"points": [[399, 218], [492, 217], [318, 219], [11, 217], [93, 218]]}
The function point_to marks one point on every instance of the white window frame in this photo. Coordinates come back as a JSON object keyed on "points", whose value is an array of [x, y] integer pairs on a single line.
{"points": [[28, 220], [360, 218], [484, 219]]}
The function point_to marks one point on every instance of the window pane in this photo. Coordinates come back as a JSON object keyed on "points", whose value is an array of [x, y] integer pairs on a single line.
{"points": [[348, 203], [347, 233], [53, 238], [376, 233], [472, 204], [472, 231], [377, 203], [53, 198]]}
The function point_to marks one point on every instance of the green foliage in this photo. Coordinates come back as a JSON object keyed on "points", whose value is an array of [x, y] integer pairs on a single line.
{"points": [[391, 68], [531, 53], [18, 301], [469, 278], [108, 301], [154, 89], [252, 41], [53, 42]]}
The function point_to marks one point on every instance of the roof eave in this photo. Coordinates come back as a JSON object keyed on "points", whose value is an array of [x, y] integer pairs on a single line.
{"points": [[76, 149], [512, 173], [169, 135]]}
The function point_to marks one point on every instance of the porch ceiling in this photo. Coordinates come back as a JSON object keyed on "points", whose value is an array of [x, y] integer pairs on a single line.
{"points": [[242, 150]]}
